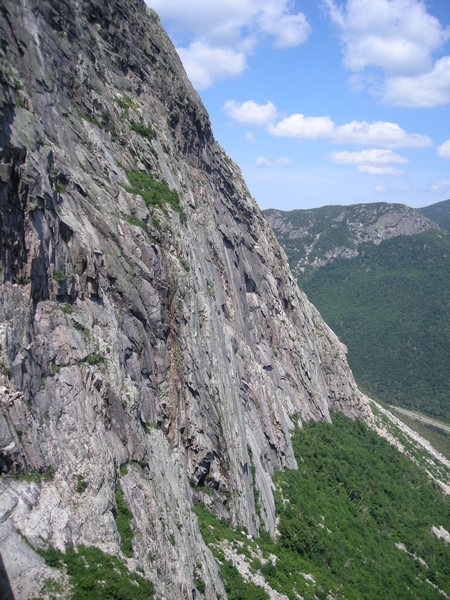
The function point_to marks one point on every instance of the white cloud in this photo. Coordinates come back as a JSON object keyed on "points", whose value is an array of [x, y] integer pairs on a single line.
{"points": [[441, 185], [206, 64], [371, 170], [231, 27], [249, 137], [301, 127], [399, 37], [368, 157], [444, 150], [282, 161], [250, 112], [288, 30], [424, 91], [380, 189], [360, 133], [379, 133]]}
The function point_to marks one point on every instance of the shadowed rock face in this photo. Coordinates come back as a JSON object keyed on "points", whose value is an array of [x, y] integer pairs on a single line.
{"points": [[146, 339]]}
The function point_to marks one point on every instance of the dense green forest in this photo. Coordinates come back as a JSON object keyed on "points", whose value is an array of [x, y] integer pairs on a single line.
{"points": [[391, 307], [354, 522], [439, 213]]}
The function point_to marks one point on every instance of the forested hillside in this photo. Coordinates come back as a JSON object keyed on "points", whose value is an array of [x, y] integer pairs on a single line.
{"points": [[439, 213], [380, 276]]}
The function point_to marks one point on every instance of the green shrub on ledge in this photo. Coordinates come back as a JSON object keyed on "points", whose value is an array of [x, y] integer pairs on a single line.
{"points": [[155, 193], [59, 276], [94, 574], [143, 130], [94, 359]]}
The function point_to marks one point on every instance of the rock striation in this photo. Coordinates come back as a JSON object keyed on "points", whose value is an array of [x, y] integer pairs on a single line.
{"points": [[152, 337]]}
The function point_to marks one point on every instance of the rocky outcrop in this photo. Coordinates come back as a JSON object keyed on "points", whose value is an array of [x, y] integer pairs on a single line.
{"points": [[152, 338], [313, 238]]}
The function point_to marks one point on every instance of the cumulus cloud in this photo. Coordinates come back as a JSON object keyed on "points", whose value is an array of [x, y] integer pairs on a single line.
{"points": [[301, 127], [399, 37], [206, 64], [373, 162], [444, 150], [360, 133], [368, 157], [379, 133], [371, 170], [230, 27], [288, 30], [282, 161], [424, 91], [250, 112]]}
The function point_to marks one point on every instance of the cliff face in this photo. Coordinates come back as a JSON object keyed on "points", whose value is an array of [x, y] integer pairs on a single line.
{"points": [[152, 338], [313, 238]]}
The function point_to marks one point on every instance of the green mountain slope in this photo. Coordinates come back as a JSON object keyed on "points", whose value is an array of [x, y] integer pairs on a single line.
{"points": [[388, 302], [439, 213], [390, 305], [355, 521]]}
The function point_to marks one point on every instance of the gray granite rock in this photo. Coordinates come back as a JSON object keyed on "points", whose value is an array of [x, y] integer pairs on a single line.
{"points": [[149, 345]]}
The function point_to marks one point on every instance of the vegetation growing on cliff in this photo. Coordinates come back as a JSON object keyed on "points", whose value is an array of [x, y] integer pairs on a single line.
{"points": [[155, 193], [355, 522], [123, 520], [94, 574]]}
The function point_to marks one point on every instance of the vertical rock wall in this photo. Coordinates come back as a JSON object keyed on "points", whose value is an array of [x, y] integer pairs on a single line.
{"points": [[151, 341]]}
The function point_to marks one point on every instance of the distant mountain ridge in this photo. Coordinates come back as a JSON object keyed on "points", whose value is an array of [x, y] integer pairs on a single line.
{"points": [[314, 237], [439, 213], [380, 276]]}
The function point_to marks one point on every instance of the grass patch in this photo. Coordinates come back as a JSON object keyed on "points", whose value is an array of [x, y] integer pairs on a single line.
{"points": [[94, 574], [34, 476], [123, 520], [143, 130], [59, 276], [216, 530], [4, 370], [94, 359], [155, 193], [125, 104], [133, 220], [200, 584], [82, 484], [106, 121]]}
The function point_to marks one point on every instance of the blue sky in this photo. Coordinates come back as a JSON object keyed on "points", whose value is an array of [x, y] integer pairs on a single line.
{"points": [[325, 101]]}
